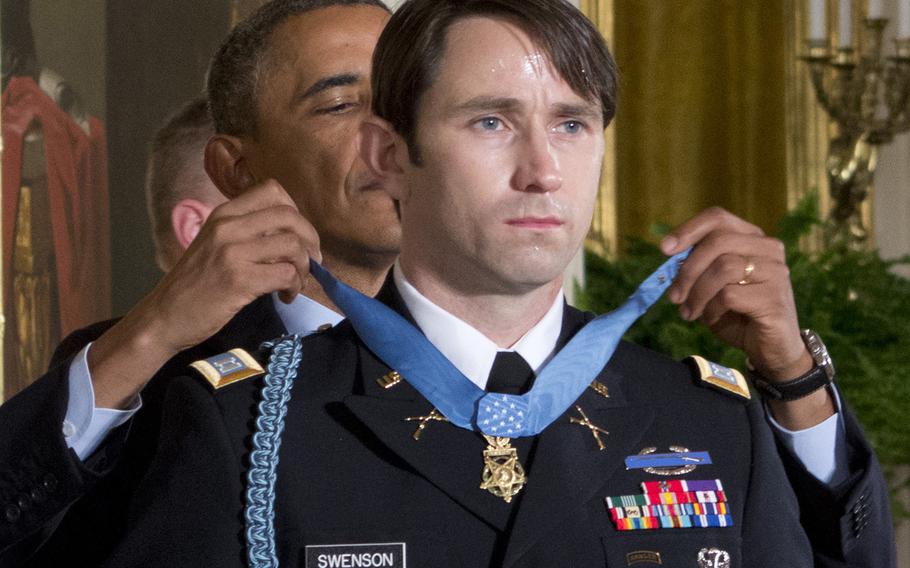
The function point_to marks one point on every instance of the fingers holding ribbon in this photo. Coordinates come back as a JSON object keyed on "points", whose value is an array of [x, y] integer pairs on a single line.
{"points": [[767, 292], [745, 285], [737, 282], [724, 259]]}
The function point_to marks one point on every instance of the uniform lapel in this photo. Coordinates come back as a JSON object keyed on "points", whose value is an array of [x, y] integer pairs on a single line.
{"points": [[449, 457], [569, 469], [566, 460]]}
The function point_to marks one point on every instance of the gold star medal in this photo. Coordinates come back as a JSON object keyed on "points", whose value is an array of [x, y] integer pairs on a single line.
{"points": [[502, 475]]}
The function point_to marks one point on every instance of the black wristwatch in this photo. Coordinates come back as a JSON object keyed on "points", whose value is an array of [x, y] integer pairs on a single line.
{"points": [[821, 375]]}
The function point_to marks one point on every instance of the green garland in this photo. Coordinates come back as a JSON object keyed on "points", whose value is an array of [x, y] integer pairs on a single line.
{"points": [[852, 299]]}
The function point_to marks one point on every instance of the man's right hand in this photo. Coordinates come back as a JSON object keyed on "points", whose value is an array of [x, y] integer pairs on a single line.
{"points": [[253, 245]]}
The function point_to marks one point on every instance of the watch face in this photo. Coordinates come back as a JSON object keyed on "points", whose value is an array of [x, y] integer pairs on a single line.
{"points": [[818, 351]]}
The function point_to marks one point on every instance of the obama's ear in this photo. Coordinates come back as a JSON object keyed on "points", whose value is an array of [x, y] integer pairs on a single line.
{"points": [[379, 149], [226, 165]]}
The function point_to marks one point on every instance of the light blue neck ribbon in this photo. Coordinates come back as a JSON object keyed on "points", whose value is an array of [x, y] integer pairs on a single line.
{"points": [[404, 348]]}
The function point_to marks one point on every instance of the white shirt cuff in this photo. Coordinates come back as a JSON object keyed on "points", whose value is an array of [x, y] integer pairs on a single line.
{"points": [[822, 449], [85, 427]]}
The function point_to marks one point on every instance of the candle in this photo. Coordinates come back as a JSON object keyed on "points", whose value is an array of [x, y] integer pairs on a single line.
{"points": [[876, 9], [845, 23], [817, 27], [903, 19]]}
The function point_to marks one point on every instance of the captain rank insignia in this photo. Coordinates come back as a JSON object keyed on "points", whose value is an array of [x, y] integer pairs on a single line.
{"points": [[228, 368]]}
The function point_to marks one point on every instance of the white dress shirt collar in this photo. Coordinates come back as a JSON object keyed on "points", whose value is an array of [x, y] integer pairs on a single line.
{"points": [[304, 316], [469, 350]]}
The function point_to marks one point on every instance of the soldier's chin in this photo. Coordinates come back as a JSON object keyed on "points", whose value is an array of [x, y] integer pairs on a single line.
{"points": [[527, 276]]}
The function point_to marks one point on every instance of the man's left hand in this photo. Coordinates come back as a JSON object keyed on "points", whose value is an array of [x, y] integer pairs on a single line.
{"points": [[736, 282]]}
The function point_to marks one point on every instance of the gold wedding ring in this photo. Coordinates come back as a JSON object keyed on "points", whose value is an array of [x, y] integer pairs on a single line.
{"points": [[747, 272]]}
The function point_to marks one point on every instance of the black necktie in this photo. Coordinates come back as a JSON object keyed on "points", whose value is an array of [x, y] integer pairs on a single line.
{"points": [[510, 374]]}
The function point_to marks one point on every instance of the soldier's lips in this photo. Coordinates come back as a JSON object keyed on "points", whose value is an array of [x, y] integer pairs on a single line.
{"points": [[538, 223]]}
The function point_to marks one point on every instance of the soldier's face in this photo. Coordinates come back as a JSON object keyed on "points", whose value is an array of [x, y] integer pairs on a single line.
{"points": [[511, 159], [314, 93]]}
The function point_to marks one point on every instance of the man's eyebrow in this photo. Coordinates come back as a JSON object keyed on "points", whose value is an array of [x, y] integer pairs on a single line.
{"points": [[587, 111], [485, 103], [339, 80]]}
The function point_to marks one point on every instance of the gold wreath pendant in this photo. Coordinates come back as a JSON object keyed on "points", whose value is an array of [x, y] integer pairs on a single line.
{"points": [[502, 474]]}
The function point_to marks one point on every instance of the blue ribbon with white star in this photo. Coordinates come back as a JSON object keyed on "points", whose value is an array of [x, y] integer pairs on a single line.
{"points": [[404, 348]]}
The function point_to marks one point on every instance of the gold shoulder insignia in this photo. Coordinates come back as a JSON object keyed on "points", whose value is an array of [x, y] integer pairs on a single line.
{"points": [[722, 378], [227, 368]]}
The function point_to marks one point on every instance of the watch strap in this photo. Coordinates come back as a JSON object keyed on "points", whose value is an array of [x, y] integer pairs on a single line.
{"points": [[798, 388], [821, 375]]}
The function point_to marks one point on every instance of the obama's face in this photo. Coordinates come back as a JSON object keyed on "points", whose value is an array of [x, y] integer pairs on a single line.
{"points": [[313, 94]]}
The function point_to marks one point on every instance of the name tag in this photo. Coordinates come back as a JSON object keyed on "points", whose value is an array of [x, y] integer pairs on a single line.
{"points": [[378, 555]]}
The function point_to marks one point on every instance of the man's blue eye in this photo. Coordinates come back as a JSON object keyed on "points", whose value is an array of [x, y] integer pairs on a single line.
{"points": [[572, 126], [490, 123]]}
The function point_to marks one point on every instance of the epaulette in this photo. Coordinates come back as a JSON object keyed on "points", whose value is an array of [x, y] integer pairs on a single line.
{"points": [[228, 368], [722, 378]]}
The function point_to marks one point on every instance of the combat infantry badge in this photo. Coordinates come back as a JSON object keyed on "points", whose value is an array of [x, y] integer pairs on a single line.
{"points": [[502, 475], [680, 462]]}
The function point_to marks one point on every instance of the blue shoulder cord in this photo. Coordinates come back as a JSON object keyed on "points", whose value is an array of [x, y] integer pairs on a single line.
{"points": [[260, 493]]}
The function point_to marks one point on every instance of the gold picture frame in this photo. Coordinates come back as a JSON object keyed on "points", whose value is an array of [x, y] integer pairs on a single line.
{"points": [[602, 238]]}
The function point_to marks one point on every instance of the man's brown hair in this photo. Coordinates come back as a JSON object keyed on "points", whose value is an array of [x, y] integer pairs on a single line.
{"points": [[410, 50]]}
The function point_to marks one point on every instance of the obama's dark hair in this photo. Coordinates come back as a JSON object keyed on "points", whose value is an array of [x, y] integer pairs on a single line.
{"points": [[239, 65]]}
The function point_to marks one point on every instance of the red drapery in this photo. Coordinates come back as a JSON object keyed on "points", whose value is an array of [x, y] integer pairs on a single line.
{"points": [[78, 196]]}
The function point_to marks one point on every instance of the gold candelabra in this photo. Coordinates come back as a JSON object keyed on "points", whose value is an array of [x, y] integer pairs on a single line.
{"points": [[866, 95]]}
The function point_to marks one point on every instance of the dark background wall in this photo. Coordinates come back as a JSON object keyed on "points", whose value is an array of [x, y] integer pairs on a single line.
{"points": [[157, 53], [132, 63], [70, 38]]}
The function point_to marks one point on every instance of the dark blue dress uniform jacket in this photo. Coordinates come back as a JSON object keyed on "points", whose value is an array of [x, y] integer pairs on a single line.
{"points": [[350, 473], [55, 509]]}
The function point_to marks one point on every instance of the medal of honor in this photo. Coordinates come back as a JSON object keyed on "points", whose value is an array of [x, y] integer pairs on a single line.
{"points": [[502, 474], [403, 347]]}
